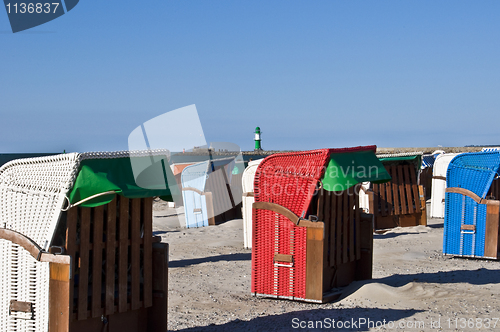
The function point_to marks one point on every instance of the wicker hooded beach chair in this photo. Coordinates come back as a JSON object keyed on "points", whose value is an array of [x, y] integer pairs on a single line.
{"points": [[439, 184], [309, 235], [74, 255], [471, 214], [248, 200]]}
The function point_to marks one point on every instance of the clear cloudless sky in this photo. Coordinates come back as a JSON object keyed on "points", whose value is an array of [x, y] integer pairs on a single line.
{"points": [[311, 74]]}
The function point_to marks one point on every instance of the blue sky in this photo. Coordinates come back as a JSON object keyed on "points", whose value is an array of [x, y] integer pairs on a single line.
{"points": [[311, 74]]}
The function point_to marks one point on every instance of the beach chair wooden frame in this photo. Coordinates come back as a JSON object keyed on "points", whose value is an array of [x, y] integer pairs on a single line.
{"points": [[339, 244], [121, 276], [59, 267], [491, 223], [136, 301]]}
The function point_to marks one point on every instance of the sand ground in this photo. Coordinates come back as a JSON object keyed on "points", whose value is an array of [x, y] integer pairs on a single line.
{"points": [[414, 287]]}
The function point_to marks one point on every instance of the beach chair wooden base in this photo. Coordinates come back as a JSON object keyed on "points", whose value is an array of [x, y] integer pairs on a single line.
{"points": [[490, 224], [119, 273], [339, 250], [388, 222]]}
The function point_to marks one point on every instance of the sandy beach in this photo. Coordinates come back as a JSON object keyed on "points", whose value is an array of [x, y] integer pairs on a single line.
{"points": [[414, 287]]}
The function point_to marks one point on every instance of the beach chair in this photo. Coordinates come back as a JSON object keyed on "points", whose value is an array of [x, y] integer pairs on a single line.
{"points": [[400, 202], [490, 149], [439, 184], [471, 215], [210, 194], [309, 235], [248, 200], [76, 256], [425, 174], [194, 197], [364, 197]]}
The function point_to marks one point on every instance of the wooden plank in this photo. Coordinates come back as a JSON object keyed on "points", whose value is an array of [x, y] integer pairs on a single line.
{"points": [[409, 200], [97, 261], [371, 201], [329, 216], [123, 254], [338, 231], [383, 199], [491, 232], [157, 313], [71, 220], [352, 254], [292, 217], [314, 264], [210, 208], [414, 185], [402, 197], [135, 252], [388, 195], [83, 278], [213, 185], [228, 186], [110, 257], [358, 225], [472, 195], [376, 209], [496, 190], [321, 206], [365, 263], [322, 194], [394, 187], [423, 217], [283, 258], [21, 306], [25, 242], [345, 222], [59, 297], [468, 227], [147, 217]]}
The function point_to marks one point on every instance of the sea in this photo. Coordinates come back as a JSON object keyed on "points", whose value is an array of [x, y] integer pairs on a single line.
{"points": [[176, 158]]}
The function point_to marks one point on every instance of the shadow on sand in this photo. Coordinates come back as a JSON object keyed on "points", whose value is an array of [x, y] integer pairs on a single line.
{"points": [[474, 277], [440, 225], [323, 319], [390, 235], [229, 257]]}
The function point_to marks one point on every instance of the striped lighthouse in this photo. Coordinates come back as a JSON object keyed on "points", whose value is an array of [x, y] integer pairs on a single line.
{"points": [[257, 139]]}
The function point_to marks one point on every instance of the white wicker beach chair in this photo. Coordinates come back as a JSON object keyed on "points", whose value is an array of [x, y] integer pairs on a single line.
{"points": [[364, 199], [33, 194], [439, 184], [248, 200]]}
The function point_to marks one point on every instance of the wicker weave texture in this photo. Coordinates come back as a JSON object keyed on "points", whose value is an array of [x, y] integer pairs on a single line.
{"points": [[439, 184], [32, 193]]}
